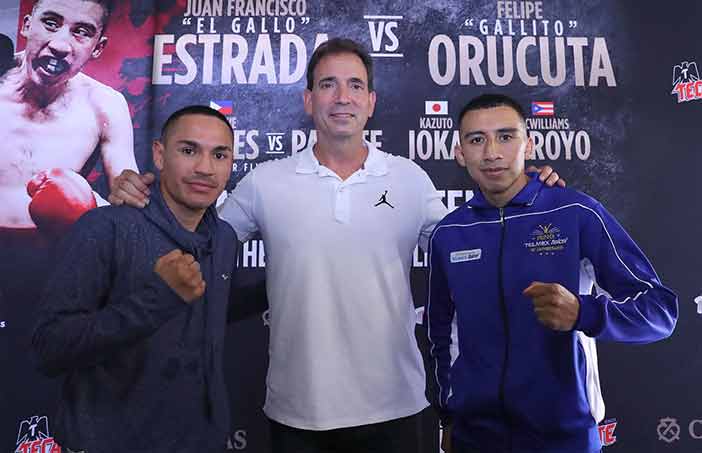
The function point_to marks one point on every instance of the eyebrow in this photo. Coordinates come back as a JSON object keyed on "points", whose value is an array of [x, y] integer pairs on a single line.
{"points": [[327, 79], [500, 130], [334, 79], [88, 25], [197, 145]]}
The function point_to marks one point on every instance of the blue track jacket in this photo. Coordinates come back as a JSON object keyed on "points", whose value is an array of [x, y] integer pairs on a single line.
{"points": [[513, 384]]}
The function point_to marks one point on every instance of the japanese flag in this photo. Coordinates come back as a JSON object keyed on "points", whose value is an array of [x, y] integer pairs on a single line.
{"points": [[436, 107]]}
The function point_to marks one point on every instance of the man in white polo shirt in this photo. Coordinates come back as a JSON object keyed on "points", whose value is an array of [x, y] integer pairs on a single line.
{"points": [[340, 221]]}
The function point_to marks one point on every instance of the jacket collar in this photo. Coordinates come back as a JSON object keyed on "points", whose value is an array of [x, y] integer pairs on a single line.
{"points": [[526, 197], [158, 212]]}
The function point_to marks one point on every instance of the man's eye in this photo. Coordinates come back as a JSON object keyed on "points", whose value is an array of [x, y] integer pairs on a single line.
{"points": [[220, 156], [477, 140], [84, 32], [187, 150], [51, 24], [506, 137]]}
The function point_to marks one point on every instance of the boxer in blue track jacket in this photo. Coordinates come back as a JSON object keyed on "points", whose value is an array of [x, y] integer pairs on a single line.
{"points": [[532, 276]]}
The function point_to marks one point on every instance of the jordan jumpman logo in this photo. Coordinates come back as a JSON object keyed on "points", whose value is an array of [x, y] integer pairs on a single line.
{"points": [[383, 200]]}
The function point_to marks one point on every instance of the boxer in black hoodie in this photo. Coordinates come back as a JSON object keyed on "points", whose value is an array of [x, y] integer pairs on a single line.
{"points": [[134, 316]]}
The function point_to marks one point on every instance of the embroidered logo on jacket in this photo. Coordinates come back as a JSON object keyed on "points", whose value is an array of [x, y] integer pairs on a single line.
{"points": [[546, 240], [460, 256]]}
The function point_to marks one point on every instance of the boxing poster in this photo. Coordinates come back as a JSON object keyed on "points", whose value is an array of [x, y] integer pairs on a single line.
{"points": [[614, 102]]}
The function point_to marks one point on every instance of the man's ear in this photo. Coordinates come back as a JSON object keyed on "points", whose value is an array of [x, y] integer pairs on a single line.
{"points": [[372, 97], [25, 25], [157, 150], [458, 153], [99, 47], [529, 150], [307, 101]]}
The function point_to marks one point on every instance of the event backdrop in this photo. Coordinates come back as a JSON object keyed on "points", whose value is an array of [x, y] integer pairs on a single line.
{"points": [[615, 106]]}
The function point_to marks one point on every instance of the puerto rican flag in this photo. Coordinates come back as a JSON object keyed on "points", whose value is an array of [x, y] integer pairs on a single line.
{"points": [[223, 107], [542, 108], [436, 107]]}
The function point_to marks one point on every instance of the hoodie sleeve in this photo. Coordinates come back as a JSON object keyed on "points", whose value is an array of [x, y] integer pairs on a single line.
{"points": [[629, 303], [79, 325], [439, 313]]}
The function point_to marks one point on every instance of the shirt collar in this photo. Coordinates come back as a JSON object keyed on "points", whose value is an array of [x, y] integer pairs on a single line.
{"points": [[376, 162]]}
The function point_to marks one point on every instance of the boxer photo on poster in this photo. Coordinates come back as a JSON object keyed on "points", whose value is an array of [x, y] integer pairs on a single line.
{"points": [[54, 118]]}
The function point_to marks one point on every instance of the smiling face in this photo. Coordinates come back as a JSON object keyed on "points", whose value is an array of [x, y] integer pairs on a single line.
{"points": [[195, 160], [340, 101], [494, 143], [62, 36]]}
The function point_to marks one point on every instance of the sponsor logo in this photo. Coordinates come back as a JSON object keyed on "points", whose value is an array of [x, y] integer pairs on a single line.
{"points": [[226, 108], [436, 107], [542, 108], [546, 240], [460, 256], [668, 430], [686, 82], [606, 430], [34, 436], [383, 200]]}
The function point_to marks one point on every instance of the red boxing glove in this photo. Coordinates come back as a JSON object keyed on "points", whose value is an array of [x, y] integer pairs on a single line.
{"points": [[59, 197]]}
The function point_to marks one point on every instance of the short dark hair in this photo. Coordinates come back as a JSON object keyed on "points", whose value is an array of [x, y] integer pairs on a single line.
{"points": [[193, 110], [492, 100], [108, 6], [337, 46]]}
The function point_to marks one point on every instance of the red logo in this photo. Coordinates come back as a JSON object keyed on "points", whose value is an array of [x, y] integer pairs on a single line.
{"points": [[606, 430], [34, 437], [686, 82]]}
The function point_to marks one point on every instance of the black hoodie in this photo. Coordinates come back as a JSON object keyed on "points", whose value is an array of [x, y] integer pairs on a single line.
{"points": [[143, 369]]}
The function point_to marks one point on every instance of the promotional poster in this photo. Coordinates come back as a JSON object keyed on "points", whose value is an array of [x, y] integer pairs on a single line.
{"points": [[613, 97]]}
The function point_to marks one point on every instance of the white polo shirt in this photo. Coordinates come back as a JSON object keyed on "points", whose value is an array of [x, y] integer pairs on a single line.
{"points": [[338, 259]]}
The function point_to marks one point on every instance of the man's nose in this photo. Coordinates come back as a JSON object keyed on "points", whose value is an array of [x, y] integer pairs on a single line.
{"points": [[60, 43], [342, 94], [491, 149], [205, 164]]}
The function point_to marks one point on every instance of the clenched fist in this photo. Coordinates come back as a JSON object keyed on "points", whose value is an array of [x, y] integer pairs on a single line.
{"points": [[555, 306], [182, 273]]}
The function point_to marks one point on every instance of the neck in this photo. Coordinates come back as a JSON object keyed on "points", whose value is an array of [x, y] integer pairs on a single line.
{"points": [[32, 94], [500, 199], [343, 157], [187, 217]]}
